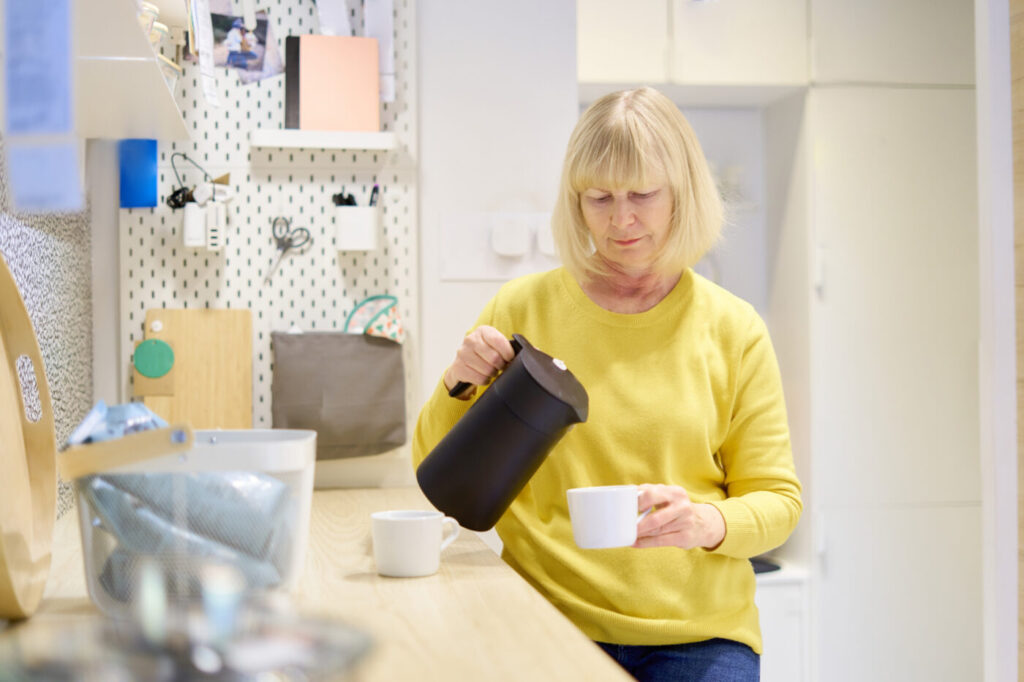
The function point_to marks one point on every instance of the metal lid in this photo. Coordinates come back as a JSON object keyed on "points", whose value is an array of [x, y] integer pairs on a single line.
{"points": [[554, 377]]}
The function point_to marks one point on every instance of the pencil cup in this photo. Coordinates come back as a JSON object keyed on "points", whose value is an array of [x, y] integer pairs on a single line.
{"points": [[356, 228]]}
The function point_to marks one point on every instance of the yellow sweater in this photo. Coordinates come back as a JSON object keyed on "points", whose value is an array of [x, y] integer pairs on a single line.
{"points": [[687, 393]]}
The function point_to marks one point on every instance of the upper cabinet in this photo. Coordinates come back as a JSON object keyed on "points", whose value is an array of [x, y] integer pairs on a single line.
{"points": [[732, 52], [880, 41], [751, 51], [739, 42], [120, 87], [622, 41]]}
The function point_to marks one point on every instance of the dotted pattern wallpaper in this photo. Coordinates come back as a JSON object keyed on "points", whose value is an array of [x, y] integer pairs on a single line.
{"points": [[49, 256], [315, 287]]}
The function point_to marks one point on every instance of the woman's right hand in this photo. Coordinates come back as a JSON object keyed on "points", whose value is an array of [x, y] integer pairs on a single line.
{"points": [[483, 353]]}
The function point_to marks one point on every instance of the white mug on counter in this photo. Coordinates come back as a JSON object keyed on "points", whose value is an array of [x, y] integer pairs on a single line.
{"points": [[408, 543], [604, 516]]}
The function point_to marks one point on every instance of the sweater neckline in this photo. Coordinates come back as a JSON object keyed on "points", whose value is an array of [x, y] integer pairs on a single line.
{"points": [[674, 301]]}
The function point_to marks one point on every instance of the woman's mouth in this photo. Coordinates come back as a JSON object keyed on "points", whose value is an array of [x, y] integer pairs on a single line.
{"points": [[626, 242]]}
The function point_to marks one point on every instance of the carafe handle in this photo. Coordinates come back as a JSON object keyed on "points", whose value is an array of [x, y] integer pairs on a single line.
{"points": [[458, 388]]}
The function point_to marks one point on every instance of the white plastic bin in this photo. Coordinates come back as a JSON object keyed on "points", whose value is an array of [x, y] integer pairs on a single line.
{"points": [[240, 498], [356, 228]]}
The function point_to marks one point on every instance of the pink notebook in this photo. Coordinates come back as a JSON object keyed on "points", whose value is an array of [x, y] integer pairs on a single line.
{"points": [[339, 83]]}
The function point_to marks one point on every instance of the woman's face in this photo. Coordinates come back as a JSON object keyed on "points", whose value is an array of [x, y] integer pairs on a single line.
{"points": [[629, 226]]}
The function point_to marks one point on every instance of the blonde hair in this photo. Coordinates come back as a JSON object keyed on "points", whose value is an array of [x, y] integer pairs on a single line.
{"points": [[618, 143]]}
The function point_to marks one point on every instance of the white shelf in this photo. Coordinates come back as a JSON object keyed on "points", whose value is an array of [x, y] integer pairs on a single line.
{"points": [[121, 91], [322, 139], [126, 98]]}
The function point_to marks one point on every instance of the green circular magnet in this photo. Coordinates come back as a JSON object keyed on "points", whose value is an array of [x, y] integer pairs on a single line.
{"points": [[153, 358]]}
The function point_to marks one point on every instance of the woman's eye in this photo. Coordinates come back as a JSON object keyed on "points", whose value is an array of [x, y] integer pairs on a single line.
{"points": [[640, 196], [600, 200]]}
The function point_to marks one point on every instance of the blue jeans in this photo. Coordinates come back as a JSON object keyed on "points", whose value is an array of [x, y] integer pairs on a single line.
{"points": [[716, 660]]}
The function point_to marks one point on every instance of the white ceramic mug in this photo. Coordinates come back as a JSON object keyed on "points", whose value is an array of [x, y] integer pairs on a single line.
{"points": [[604, 516], [407, 543]]}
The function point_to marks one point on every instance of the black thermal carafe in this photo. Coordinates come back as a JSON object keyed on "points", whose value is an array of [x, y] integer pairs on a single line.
{"points": [[487, 458]]}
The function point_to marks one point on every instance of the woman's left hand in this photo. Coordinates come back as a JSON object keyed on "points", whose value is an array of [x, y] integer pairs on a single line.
{"points": [[676, 521]]}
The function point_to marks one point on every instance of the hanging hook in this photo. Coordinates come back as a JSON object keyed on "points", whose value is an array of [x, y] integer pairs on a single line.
{"points": [[182, 195], [185, 156]]}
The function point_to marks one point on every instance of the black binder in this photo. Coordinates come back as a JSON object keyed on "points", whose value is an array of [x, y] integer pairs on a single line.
{"points": [[291, 82]]}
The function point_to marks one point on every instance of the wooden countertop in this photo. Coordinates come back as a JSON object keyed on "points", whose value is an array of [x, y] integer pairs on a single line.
{"points": [[476, 619]]}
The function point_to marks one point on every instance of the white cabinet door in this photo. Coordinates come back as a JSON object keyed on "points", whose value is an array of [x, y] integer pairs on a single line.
{"points": [[899, 595], [782, 609], [750, 42], [881, 41], [622, 41], [895, 216], [895, 385]]}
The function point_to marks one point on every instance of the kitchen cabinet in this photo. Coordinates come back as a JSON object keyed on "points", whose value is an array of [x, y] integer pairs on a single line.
{"points": [[894, 379], [895, 223], [739, 42], [878, 41], [745, 44], [781, 600], [622, 41]]}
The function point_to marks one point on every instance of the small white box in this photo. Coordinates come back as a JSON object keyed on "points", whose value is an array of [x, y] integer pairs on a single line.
{"points": [[194, 225], [238, 497], [510, 234], [356, 228], [216, 224]]}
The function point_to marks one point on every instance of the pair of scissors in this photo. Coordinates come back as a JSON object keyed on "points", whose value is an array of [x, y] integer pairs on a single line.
{"points": [[286, 238]]}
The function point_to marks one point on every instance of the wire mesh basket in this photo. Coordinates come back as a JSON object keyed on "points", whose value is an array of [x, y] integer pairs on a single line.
{"points": [[237, 498]]}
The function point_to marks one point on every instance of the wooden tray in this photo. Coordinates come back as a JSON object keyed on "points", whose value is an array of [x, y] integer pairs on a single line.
{"points": [[28, 463]]}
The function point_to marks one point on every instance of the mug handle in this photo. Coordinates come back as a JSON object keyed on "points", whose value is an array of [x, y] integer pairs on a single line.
{"points": [[645, 512], [450, 537]]}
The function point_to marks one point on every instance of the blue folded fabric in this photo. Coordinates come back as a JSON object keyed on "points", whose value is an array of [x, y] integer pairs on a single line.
{"points": [[184, 537], [243, 510]]}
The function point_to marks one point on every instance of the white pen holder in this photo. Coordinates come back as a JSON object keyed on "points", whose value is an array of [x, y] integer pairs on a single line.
{"points": [[356, 228]]}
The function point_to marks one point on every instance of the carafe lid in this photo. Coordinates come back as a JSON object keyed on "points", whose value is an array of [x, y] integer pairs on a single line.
{"points": [[553, 376]]}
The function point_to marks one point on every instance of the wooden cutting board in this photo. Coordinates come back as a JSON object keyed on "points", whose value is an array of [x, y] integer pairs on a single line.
{"points": [[209, 385], [28, 462]]}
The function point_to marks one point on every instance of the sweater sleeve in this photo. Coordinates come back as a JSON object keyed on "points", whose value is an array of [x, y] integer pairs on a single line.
{"points": [[763, 503], [441, 412]]}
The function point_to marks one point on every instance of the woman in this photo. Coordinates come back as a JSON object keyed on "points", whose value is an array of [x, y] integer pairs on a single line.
{"points": [[685, 399]]}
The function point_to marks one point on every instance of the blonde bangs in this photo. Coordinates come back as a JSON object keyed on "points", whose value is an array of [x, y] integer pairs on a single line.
{"points": [[620, 153]]}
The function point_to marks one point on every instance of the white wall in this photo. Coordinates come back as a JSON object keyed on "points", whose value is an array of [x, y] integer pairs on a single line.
{"points": [[497, 102], [997, 356]]}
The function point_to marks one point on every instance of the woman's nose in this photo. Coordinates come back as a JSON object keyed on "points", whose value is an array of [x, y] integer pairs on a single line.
{"points": [[622, 214]]}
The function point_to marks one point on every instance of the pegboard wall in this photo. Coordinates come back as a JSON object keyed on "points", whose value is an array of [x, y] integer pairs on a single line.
{"points": [[314, 288]]}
